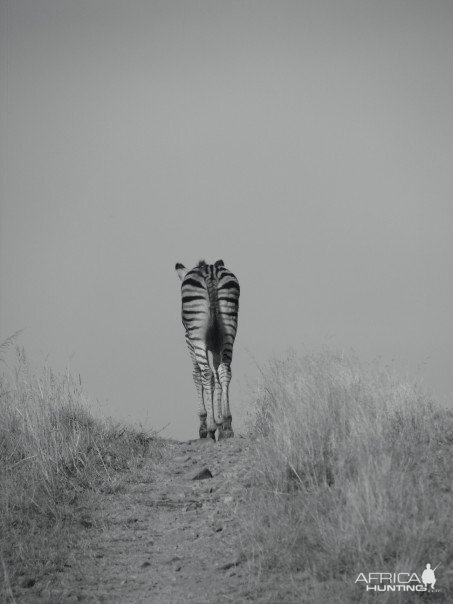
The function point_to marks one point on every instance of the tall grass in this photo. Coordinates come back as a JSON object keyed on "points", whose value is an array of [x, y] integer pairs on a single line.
{"points": [[353, 474], [53, 454]]}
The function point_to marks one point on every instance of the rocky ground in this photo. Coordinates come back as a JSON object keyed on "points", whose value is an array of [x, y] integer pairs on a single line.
{"points": [[169, 533]]}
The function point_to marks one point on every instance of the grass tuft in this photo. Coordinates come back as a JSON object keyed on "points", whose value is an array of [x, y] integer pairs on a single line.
{"points": [[54, 456], [353, 474]]}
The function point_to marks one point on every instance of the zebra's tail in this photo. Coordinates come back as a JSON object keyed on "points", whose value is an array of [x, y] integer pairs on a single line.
{"points": [[214, 335]]}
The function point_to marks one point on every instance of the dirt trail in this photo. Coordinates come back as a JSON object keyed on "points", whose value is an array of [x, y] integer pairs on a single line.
{"points": [[166, 538]]}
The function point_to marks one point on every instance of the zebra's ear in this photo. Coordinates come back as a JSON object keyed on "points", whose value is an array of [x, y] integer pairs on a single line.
{"points": [[181, 270], [219, 263]]}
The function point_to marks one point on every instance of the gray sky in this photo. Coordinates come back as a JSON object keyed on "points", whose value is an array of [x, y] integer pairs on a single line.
{"points": [[308, 144]]}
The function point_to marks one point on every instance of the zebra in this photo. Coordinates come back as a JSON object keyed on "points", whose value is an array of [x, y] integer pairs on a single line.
{"points": [[210, 304]]}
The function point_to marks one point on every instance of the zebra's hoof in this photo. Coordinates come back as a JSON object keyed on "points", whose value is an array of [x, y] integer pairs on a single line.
{"points": [[212, 434], [203, 432], [225, 433]]}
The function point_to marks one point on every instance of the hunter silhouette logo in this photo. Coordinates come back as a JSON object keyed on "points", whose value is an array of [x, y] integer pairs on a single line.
{"points": [[428, 576], [400, 581]]}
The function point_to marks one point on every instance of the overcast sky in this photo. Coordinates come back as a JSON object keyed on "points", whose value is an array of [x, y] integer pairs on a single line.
{"points": [[308, 144]]}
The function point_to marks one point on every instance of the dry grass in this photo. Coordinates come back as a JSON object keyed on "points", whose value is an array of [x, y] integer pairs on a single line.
{"points": [[54, 457], [353, 474]]}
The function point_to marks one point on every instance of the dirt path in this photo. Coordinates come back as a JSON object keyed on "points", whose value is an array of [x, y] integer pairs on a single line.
{"points": [[166, 538]]}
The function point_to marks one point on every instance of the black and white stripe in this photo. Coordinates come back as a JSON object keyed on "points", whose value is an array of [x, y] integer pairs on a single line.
{"points": [[210, 305]]}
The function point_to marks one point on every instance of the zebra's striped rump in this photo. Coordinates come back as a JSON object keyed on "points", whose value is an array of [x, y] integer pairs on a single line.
{"points": [[210, 305]]}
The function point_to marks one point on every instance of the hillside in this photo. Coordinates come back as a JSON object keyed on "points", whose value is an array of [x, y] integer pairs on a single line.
{"points": [[343, 470]]}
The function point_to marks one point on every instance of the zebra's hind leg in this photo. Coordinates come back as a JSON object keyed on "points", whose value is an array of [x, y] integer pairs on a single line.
{"points": [[207, 381], [196, 374], [203, 431], [225, 430], [217, 402]]}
